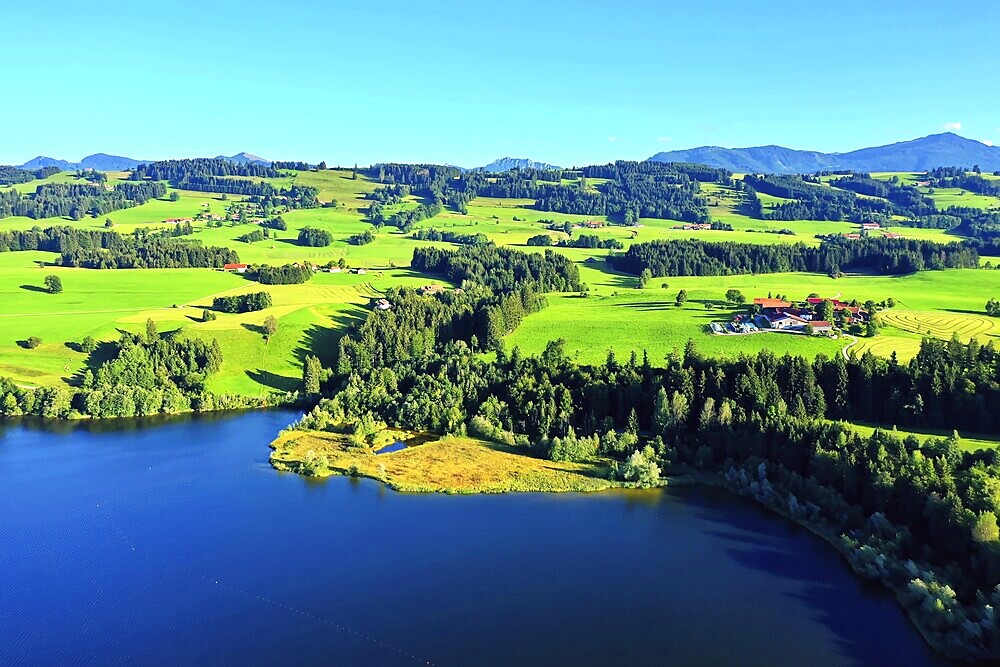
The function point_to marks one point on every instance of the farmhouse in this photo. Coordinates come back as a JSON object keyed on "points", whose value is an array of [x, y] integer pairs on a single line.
{"points": [[870, 226], [383, 304], [782, 320], [821, 326], [237, 268], [694, 226], [892, 235], [593, 224]]}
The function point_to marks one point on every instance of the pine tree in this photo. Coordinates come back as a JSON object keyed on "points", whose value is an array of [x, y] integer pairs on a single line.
{"points": [[311, 369]]}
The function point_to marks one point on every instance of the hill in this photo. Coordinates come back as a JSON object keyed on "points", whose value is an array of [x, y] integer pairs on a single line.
{"points": [[936, 150], [105, 162], [508, 163], [244, 158]]}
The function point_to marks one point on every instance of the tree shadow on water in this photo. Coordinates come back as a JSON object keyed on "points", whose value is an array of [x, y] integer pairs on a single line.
{"points": [[867, 624]]}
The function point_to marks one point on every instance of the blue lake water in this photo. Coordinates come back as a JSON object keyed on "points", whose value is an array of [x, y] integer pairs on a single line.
{"points": [[178, 544]]}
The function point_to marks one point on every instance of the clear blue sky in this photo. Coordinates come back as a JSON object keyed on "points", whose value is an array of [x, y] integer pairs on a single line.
{"points": [[465, 82]]}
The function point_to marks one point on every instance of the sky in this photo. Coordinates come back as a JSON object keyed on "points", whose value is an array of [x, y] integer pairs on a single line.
{"points": [[466, 82]]}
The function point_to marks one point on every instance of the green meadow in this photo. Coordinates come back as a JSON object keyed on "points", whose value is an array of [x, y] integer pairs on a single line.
{"points": [[99, 303], [968, 444], [614, 316], [619, 317]]}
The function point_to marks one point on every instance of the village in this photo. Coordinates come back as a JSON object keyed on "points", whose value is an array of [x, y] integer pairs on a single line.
{"points": [[814, 316]]}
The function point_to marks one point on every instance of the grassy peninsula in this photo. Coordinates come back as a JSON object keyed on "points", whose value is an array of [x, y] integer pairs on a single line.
{"points": [[450, 464]]}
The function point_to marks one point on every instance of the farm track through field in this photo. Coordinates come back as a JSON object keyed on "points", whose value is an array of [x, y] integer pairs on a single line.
{"points": [[87, 312]]}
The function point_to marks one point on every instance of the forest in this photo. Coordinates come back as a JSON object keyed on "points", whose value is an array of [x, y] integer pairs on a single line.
{"points": [[13, 175], [56, 200], [691, 257], [958, 177], [178, 171], [105, 249], [631, 190]]}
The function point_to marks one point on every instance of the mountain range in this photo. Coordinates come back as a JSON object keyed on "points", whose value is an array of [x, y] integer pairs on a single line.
{"points": [[508, 163], [105, 162], [937, 150]]}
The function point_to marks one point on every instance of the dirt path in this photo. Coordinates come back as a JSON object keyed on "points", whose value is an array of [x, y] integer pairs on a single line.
{"points": [[854, 341]]}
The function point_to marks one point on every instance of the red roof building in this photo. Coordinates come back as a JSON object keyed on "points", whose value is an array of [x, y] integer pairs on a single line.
{"points": [[771, 303]]}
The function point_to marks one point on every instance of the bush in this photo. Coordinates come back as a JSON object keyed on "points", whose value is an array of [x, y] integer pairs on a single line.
{"points": [[88, 345], [32, 342], [53, 284]]}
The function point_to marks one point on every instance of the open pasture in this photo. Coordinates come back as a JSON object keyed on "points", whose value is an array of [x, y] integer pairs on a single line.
{"points": [[99, 302]]}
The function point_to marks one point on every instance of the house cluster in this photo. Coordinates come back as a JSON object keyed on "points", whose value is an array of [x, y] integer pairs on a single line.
{"points": [[592, 224], [851, 314], [781, 315], [694, 226], [176, 221], [868, 227]]}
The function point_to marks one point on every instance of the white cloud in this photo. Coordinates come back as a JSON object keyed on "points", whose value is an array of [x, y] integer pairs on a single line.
{"points": [[987, 142], [953, 127], [612, 139], [665, 140]]}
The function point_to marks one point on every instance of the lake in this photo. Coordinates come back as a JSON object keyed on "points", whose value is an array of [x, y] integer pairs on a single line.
{"points": [[176, 543]]}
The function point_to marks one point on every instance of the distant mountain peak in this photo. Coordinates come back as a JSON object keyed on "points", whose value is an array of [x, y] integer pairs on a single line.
{"points": [[244, 158], [508, 163], [935, 150]]}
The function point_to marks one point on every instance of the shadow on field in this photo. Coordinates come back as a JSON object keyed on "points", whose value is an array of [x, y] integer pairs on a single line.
{"points": [[274, 381], [105, 352], [649, 305], [322, 341], [254, 328], [964, 312], [34, 288]]}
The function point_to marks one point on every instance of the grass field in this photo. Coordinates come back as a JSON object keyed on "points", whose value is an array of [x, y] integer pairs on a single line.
{"points": [[449, 465], [98, 303], [617, 316], [968, 444]]}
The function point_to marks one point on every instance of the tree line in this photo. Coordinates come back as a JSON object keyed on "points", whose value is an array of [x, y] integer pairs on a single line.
{"points": [[13, 175], [630, 190], [75, 201], [91, 249], [692, 257]]}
